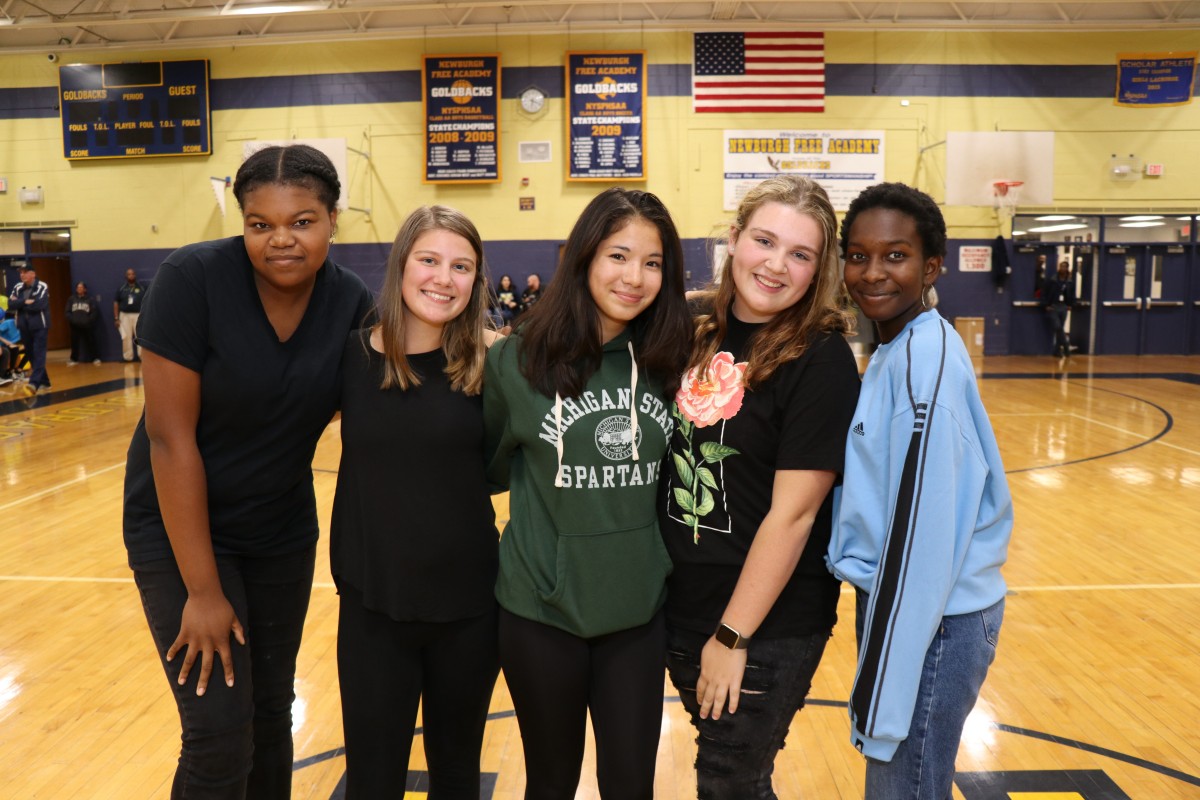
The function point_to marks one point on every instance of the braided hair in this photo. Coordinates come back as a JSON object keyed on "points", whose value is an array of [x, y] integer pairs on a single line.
{"points": [[290, 165]]}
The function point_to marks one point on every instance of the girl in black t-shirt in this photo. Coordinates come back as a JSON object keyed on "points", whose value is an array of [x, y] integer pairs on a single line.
{"points": [[413, 542], [239, 339], [761, 421], [506, 300]]}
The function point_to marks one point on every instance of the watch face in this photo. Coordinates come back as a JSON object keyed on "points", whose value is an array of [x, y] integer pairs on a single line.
{"points": [[728, 636], [532, 99]]}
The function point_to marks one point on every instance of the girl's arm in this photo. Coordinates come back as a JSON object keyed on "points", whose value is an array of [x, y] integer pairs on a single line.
{"points": [[172, 412], [796, 497]]}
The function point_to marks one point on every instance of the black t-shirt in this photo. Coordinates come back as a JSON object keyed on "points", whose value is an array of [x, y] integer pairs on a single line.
{"points": [[413, 526], [796, 420], [263, 403]]}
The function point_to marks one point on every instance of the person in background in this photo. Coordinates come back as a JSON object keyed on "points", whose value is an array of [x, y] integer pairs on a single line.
{"points": [[577, 420], [126, 308], [417, 621], [532, 293], [506, 301], [761, 421], [242, 342], [1039, 276], [10, 341], [1058, 298], [30, 299], [83, 312], [923, 517]]}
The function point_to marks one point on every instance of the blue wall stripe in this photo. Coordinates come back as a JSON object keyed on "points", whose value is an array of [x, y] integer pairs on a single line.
{"points": [[664, 80], [970, 80], [33, 103]]}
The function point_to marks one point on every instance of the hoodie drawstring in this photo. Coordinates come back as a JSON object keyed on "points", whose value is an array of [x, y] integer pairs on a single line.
{"points": [[633, 401], [558, 443]]}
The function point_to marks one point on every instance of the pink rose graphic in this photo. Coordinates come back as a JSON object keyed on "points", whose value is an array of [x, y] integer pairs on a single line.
{"points": [[718, 397]]}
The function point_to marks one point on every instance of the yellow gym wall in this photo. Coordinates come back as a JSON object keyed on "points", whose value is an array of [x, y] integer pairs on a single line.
{"points": [[115, 203]]}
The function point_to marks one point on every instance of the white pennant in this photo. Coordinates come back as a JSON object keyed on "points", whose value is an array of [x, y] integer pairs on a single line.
{"points": [[218, 187]]}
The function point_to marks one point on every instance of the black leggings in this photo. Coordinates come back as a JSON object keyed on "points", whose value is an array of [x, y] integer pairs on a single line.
{"points": [[555, 678], [385, 668]]}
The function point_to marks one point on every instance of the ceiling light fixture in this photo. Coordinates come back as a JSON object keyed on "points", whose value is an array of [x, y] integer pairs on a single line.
{"points": [[1053, 228], [272, 8]]}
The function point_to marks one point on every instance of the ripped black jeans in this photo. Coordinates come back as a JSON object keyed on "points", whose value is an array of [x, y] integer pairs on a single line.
{"points": [[736, 754]]}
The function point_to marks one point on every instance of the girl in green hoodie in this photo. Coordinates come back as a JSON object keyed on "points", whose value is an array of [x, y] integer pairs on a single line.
{"points": [[577, 420]]}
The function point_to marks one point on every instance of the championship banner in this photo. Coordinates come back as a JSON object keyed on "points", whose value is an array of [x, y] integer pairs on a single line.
{"points": [[1155, 79], [462, 118], [843, 162], [606, 98]]}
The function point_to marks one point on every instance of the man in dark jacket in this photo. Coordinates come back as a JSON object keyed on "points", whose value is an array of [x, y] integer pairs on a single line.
{"points": [[30, 299], [1058, 298], [83, 310]]}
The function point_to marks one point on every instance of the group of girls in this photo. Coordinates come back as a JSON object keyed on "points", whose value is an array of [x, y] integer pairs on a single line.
{"points": [[690, 478]]}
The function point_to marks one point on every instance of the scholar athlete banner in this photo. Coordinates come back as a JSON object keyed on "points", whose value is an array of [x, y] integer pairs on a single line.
{"points": [[843, 162], [606, 98], [462, 118], [1155, 79]]}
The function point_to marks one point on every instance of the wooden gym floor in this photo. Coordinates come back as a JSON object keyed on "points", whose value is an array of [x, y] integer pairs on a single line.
{"points": [[1095, 694]]}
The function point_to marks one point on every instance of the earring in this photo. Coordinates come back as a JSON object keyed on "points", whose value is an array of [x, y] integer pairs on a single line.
{"points": [[925, 296]]}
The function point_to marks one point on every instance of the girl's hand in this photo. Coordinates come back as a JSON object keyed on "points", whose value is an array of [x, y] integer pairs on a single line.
{"points": [[205, 628], [721, 671]]}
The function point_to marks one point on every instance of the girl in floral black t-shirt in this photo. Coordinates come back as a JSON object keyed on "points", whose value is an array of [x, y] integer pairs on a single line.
{"points": [[761, 420]]}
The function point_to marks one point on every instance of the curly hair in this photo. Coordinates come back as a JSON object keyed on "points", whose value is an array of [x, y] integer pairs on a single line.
{"points": [[931, 226]]}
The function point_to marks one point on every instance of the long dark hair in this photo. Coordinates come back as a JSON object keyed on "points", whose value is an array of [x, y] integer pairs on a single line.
{"points": [[291, 165], [560, 335]]}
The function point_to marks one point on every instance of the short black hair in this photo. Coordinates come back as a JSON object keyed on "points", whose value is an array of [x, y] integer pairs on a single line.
{"points": [[290, 165], [931, 225]]}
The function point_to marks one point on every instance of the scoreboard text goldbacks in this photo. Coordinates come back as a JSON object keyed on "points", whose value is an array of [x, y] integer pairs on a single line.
{"points": [[149, 108]]}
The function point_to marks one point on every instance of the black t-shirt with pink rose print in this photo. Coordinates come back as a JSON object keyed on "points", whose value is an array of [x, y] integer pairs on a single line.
{"points": [[720, 470]]}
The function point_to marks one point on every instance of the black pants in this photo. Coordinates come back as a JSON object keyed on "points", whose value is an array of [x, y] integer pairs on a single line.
{"points": [[83, 343], [1058, 324], [237, 741], [35, 348], [385, 669], [735, 755], [556, 678]]}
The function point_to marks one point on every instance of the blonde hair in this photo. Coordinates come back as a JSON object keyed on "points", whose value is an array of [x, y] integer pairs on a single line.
{"points": [[787, 335], [462, 337]]}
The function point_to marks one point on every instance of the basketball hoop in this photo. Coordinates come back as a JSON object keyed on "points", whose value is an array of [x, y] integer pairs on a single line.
{"points": [[1006, 195]]}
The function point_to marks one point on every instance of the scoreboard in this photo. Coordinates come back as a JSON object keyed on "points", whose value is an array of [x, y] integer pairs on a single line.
{"points": [[148, 108]]}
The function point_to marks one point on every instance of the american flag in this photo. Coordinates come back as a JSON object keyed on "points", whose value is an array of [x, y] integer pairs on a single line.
{"points": [[756, 72]]}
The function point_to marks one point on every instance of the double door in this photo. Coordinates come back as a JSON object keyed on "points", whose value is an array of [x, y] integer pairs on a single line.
{"points": [[1143, 301]]}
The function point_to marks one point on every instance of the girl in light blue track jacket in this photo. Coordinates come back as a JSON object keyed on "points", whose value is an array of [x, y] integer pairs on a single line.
{"points": [[923, 518]]}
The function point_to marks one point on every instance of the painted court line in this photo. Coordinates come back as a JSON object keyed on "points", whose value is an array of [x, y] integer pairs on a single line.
{"points": [[60, 486]]}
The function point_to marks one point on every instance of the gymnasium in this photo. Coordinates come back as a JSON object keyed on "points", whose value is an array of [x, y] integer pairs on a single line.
{"points": [[1047, 132]]}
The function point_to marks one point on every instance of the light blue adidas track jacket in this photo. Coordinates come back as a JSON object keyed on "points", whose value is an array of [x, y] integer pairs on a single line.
{"points": [[922, 518]]}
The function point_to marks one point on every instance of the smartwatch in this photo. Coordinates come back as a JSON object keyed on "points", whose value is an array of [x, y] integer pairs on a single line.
{"points": [[731, 638]]}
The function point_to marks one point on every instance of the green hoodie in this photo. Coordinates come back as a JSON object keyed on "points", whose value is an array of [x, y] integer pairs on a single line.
{"points": [[584, 556]]}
